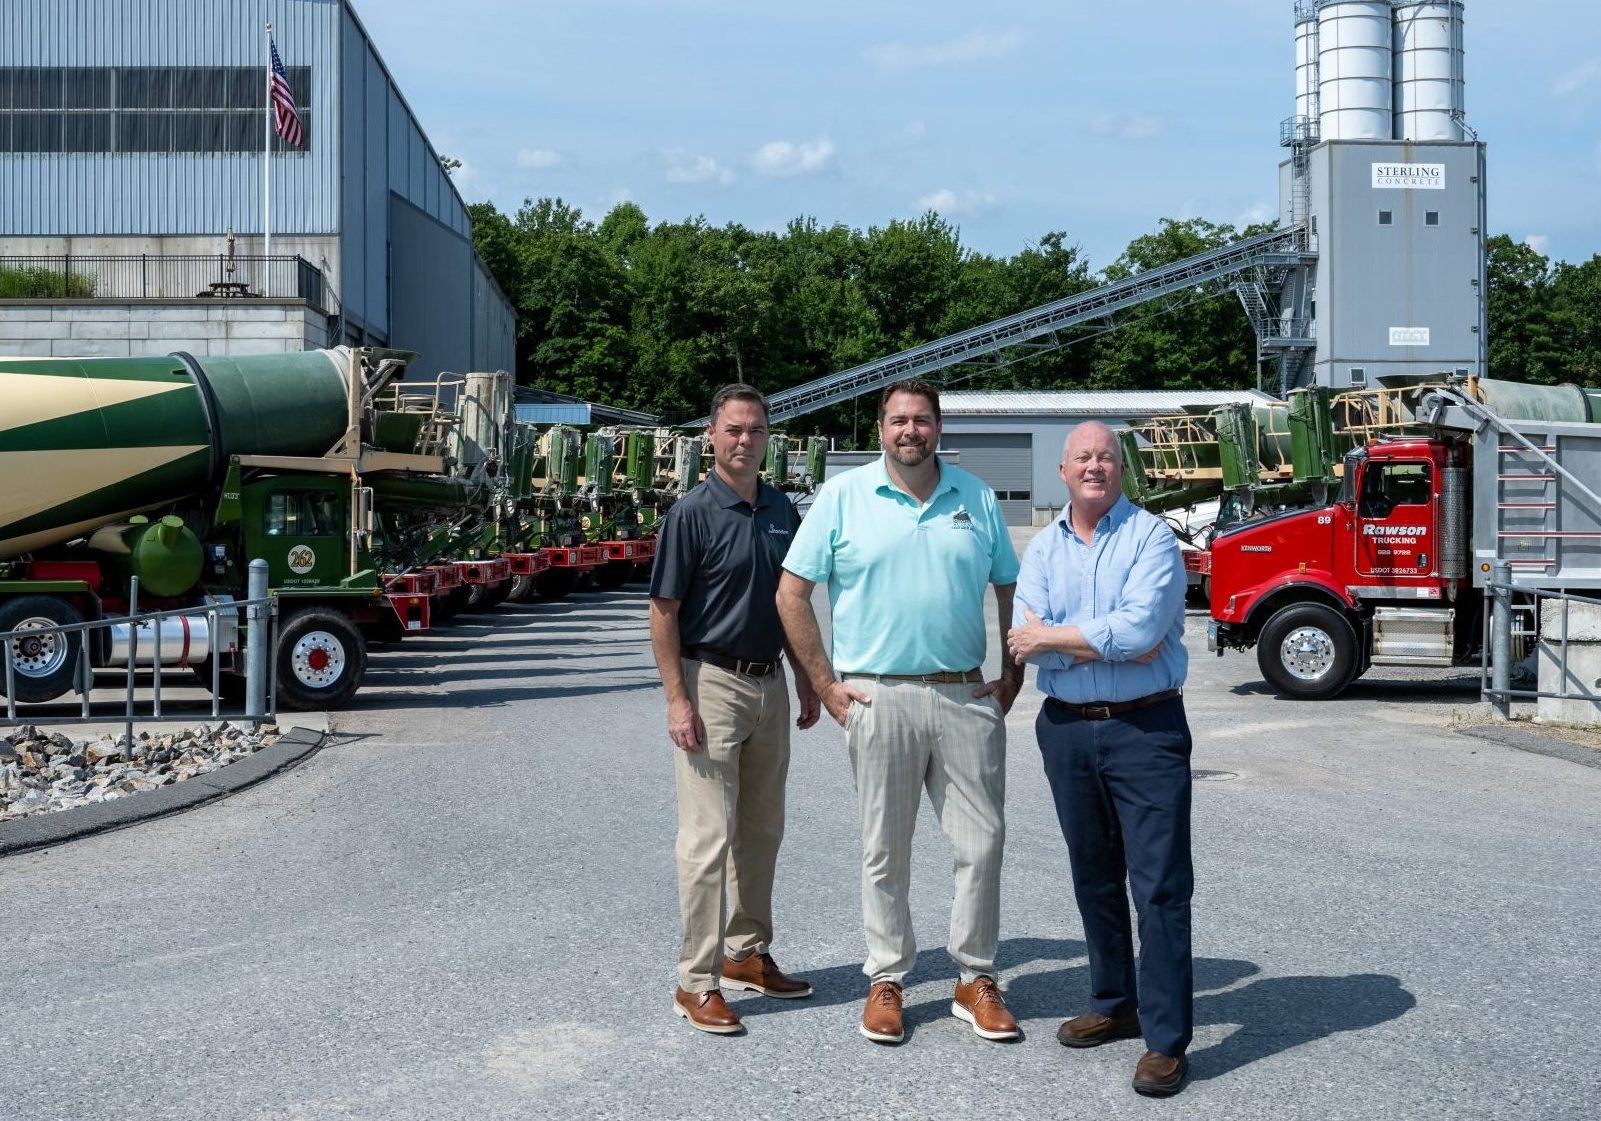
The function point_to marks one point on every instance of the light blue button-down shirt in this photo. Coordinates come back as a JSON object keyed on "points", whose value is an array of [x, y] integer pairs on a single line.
{"points": [[906, 579], [1125, 593]]}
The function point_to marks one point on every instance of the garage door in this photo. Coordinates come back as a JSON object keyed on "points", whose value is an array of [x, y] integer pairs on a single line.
{"points": [[1004, 460]]}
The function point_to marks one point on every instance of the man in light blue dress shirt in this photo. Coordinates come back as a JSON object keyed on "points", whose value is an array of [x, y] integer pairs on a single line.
{"points": [[1100, 610]]}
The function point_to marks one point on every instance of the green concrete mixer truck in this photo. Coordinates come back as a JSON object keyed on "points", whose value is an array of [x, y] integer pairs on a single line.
{"points": [[180, 471]]}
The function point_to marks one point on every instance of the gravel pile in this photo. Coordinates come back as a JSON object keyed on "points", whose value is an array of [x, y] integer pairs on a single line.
{"points": [[43, 771]]}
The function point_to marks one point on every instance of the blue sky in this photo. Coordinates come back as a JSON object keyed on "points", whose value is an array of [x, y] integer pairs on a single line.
{"points": [[1010, 119]]}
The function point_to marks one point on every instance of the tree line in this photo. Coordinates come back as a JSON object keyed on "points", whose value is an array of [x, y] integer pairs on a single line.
{"points": [[657, 317]]}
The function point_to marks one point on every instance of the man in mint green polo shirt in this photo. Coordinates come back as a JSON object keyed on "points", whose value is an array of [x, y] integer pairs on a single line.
{"points": [[907, 546]]}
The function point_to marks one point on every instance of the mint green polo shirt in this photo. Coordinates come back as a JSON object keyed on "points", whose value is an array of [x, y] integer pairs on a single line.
{"points": [[906, 580]]}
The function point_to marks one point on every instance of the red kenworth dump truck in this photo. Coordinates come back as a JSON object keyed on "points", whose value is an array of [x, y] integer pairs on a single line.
{"points": [[1393, 571]]}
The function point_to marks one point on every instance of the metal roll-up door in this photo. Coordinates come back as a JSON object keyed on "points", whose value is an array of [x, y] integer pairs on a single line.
{"points": [[1004, 460]]}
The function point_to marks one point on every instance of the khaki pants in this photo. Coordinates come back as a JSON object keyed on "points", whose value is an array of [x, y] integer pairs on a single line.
{"points": [[940, 738], [730, 818]]}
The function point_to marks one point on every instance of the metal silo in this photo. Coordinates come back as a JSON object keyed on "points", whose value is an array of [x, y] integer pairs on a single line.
{"points": [[1355, 73], [1306, 63], [1428, 94]]}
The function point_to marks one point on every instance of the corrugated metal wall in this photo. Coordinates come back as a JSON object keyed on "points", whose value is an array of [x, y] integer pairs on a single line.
{"points": [[385, 152], [89, 194], [363, 138]]}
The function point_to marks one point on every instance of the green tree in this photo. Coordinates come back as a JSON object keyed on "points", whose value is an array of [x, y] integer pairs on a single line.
{"points": [[1198, 339], [1520, 309]]}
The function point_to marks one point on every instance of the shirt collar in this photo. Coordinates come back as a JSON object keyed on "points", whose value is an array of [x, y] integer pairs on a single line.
{"points": [[884, 484], [1120, 511], [728, 497]]}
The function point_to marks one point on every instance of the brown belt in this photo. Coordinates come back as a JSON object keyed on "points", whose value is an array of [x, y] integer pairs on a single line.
{"points": [[1107, 711], [944, 677]]}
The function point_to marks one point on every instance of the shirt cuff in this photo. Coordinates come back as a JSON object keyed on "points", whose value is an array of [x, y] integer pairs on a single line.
{"points": [[1098, 633]]}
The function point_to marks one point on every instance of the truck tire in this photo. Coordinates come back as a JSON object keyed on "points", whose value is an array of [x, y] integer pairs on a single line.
{"points": [[521, 588], [449, 605], [45, 664], [1307, 652], [496, 594], [613, 574], [321, 660], [555, 583]]}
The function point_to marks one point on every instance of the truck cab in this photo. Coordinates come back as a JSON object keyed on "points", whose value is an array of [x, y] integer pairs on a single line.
{"points": [[1373, 578]]}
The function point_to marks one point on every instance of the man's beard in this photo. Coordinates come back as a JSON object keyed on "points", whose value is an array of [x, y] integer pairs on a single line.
{"points": [[912, 455]]}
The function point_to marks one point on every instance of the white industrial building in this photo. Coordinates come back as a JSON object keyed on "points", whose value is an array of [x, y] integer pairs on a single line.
{"points": [[132, 144]]}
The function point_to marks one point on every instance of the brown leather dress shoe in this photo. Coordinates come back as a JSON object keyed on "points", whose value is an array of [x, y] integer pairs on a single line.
{"points": [[1093, 1029], [707, 1011], [881, 1018], [760, 974], [1160, 1076], [981, 1005]]}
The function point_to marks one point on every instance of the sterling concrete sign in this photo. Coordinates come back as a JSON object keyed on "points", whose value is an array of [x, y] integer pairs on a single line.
{"points": [[1409, 176]]}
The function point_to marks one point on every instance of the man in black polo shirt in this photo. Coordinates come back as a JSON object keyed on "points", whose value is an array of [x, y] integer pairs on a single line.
{"points": [[715, 632]]}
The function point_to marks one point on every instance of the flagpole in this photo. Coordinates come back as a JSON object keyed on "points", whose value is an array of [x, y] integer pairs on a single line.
{"points": [[266, 176]]}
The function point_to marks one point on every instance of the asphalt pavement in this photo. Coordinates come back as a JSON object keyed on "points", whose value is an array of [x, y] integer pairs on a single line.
{"points": [[463, 906]]}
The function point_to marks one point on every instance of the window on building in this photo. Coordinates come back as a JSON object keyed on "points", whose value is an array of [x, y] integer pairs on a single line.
{"points": [[142, 108], [1386, 217], [1359, 375], [1431, 217]]}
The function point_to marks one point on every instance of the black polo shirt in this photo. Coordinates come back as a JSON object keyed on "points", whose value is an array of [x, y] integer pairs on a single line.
{"points": [[721, 559]]}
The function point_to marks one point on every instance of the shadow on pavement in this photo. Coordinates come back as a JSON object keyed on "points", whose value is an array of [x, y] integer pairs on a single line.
{"points": [[1276, 1014], [1453, 690], [1273, 1014]]}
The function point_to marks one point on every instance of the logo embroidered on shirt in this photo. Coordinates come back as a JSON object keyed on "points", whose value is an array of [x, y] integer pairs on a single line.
{"points": [[777, 531], [962, 519]]}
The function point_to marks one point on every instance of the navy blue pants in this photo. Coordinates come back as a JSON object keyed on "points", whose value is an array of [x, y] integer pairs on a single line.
{"points": [[1122, 792]]}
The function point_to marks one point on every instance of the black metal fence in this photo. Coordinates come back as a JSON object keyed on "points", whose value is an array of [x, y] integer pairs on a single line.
{"points": [[162, 277]]}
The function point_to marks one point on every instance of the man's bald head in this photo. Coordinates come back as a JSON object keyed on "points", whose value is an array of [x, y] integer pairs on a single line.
{"points": [[1092, 431], [1092, 468]]}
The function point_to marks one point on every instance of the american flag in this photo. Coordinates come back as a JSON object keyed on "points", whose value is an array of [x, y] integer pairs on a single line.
{"points": [[284, 118]]}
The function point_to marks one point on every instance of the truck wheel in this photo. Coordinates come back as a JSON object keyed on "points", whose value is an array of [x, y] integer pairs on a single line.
{"points": [[521, 588], [449, 605], [1307, 652], [613, 574], [497, 594], [321, 660], [44, 664], [554, 583]]}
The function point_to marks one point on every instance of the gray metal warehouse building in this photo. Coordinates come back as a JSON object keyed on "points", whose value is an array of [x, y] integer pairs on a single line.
{"points": [[1013, 440], [131, 144]]}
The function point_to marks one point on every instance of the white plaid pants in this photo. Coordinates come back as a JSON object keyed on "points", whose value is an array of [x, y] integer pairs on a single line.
{"points": [[917, 736]]}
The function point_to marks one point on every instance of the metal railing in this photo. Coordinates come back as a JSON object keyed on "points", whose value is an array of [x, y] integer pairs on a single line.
{"points": [[1506, 631], [261, 660], [162, 277]]}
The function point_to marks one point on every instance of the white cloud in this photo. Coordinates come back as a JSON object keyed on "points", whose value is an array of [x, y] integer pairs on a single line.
{"points": [[1576, 80], [463, 176], [1540, 243], [538, 158], [1256, 212], [947, 203], [976, 46], [1129, 126], [781, 158], [681, 167]]}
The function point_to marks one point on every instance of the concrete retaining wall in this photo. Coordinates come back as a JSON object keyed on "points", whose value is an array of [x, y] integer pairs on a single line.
{"points": [[109, 329], [1583, 675]]}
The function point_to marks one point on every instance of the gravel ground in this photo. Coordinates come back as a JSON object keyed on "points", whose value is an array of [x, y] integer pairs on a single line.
{"points": [[464, 908]]}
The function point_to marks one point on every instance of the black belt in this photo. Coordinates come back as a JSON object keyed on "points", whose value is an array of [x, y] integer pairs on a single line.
{"points": [[1107, 711], [733, 665], [941, 677]]}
